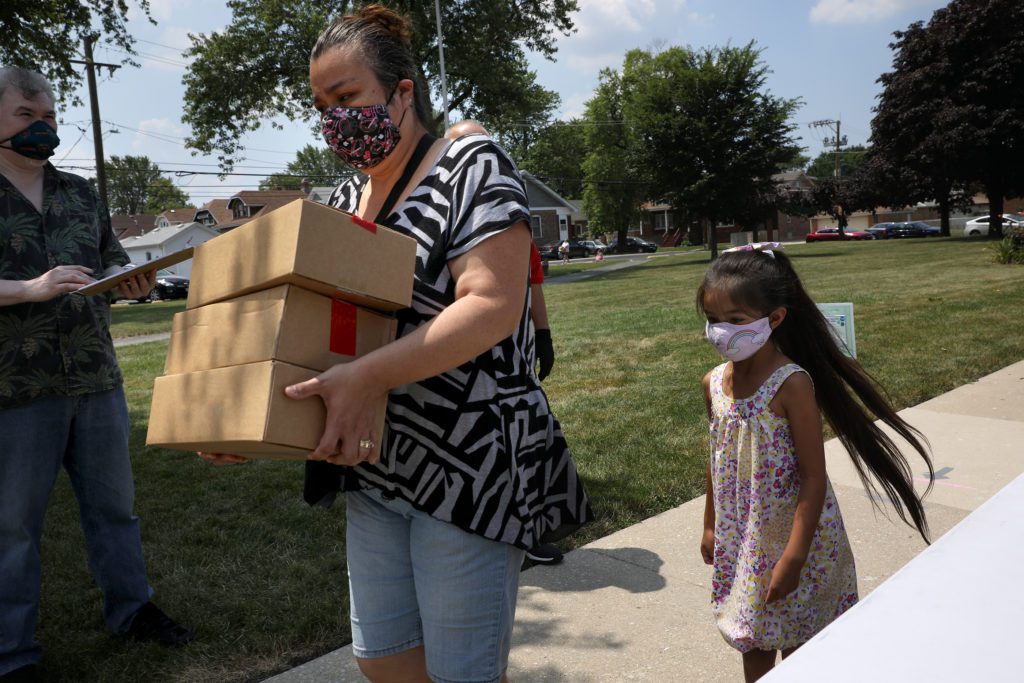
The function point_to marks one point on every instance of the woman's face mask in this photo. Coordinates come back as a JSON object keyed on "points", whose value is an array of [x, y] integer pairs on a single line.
{"points": [[35, 142], [361, 136], [738, 342]]}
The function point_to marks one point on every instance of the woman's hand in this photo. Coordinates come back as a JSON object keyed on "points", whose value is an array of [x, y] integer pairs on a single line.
{"points": [[223, 458], [785, 578], [352, 400], [707, 546]]}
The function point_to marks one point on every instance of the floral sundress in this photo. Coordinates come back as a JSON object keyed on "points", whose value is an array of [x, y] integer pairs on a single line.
{"points": [[756, 481]]}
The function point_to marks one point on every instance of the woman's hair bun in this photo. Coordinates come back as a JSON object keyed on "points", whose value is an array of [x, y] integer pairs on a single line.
{"points": [[390, 21]]}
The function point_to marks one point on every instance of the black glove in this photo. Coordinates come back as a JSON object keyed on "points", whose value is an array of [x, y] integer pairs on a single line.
{"points": [[545, 353]]}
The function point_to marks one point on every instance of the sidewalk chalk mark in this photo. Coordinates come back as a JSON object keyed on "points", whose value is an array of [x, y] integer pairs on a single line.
{"points": [[941, 474]]}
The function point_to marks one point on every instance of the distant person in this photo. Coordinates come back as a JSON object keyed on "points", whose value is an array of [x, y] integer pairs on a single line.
{"points": [[599, 256], [61, 396], [563, 251], [783, 568], [542, 553]]}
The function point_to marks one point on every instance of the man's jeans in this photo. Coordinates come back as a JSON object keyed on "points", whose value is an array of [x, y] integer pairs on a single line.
{"points": [[89, 436]]}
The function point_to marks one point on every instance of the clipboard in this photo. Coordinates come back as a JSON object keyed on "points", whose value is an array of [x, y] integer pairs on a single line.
{"points": [[111, 281]]}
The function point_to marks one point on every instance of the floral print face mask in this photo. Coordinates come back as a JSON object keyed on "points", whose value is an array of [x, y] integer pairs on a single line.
{"points": [[361, 136]]}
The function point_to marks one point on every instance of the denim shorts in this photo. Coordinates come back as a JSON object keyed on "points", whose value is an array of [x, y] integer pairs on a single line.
{"points": [[414, 580]]}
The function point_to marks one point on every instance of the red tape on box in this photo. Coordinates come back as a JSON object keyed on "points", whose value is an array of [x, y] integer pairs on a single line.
{"points": [[365, 224], [343, 328]]}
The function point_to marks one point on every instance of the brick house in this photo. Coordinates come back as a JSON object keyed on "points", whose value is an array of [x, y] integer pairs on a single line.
{"points": [[552, 217]]}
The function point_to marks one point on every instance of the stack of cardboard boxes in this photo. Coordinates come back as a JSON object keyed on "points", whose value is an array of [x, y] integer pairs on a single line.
{"points": [[272, 303]]}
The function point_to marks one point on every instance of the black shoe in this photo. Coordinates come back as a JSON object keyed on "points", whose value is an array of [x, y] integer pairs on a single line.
{"points": [[544, 553], [23, 674], [150, 623]]}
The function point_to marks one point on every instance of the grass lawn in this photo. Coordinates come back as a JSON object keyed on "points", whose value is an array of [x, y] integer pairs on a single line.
{"points": [[236, 553], [132, 320]]}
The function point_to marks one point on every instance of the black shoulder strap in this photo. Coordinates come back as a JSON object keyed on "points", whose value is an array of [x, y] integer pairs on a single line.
{"points": [[414, 162]]}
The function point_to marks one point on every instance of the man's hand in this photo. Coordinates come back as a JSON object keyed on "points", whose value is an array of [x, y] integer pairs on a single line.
{"points": [[53, 283], [138, 286], [545, 353]]}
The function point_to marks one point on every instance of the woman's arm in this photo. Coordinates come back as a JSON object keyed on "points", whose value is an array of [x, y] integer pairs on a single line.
{"points": [[490, 291], [796, 401]]}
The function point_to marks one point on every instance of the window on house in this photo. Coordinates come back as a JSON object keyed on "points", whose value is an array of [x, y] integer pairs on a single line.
{"points": [[538, 230], [149, 256]]}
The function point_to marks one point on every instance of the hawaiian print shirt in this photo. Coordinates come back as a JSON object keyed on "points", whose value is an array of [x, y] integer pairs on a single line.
{"points": [[61, 346]]}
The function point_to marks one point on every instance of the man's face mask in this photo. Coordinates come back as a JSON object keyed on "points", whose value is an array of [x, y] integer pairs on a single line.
{"points": [[35, 142]]}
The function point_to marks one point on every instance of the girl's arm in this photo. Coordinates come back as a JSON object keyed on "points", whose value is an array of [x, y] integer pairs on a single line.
{"points": [[796, 401], [707, 541]]}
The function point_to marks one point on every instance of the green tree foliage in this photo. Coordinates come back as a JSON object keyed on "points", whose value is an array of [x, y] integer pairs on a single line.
{"points": [[556, 157], [824, 165], [612, 191], [44, 34], [712, 136], [950, 111], [162, 195], [130, 182], [319, 165], [257, 68], [518, 126]]}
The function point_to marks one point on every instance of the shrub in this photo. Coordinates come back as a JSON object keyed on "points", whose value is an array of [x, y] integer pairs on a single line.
{"points": [[1010, 249]]}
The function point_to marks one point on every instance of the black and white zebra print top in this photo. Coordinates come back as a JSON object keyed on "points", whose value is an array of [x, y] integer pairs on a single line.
{"points": [[476, 446]]}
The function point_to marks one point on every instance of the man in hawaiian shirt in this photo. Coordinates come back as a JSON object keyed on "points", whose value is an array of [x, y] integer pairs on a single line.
{"points": [[61, 396]]}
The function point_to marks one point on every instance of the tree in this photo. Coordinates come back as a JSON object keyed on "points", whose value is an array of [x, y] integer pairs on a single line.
{"points": [[824, 165], [130, 180], [237, 83], [517, 126], [949, 112], [162, 195], [318, 164], [612, 190], [711, 136], [44, 34], [556, 157]]}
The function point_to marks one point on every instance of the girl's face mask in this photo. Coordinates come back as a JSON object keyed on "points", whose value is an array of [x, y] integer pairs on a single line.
{"points": [[361, 136], [738, 342], [35, 142]]}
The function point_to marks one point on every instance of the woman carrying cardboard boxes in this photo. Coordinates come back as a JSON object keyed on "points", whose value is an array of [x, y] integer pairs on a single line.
{"points": [[473, 469]]}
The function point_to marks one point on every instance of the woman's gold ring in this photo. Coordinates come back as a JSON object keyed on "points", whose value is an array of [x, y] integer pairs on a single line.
{"points": [[366, 443]]}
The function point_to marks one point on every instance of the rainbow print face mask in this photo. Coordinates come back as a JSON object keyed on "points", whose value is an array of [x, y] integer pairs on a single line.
{"points": [[738, 342]]}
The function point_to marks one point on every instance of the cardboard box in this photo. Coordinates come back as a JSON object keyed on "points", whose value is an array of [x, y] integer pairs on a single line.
{"points": [[310, 245], [284, 323], [240, 409]]}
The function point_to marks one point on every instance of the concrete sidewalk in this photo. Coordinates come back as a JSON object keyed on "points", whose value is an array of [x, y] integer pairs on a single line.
{"points": [[634, 606]]}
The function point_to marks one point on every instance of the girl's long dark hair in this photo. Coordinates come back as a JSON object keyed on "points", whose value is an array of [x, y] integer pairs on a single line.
{"points": [[758, 282]]}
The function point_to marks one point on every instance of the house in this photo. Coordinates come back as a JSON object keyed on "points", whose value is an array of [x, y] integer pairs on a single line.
{"points": [[131, 225], [320, 194], [551, 215], [175, 216], [226, 214], [166, 240]]}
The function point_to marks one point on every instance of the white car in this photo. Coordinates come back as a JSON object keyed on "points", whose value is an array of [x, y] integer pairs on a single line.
{"points": [[979, 226]]}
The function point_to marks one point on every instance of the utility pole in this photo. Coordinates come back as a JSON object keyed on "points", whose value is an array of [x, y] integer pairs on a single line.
{"points": [[440, 49], [97, 133], [838, 140]]}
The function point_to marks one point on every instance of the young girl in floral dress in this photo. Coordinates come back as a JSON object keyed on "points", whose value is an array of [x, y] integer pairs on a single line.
{"points": [[783, 569]]}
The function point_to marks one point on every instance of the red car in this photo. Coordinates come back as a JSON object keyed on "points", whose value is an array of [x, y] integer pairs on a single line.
{"points": [[830, 234]]}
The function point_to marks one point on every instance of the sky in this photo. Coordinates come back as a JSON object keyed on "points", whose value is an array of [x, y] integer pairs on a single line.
{"points": [[827, 53]]}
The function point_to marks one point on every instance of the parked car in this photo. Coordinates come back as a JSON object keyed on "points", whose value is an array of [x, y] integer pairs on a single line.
{"points": [[832, 234], [979, 226], [903, 229], [577, 249], [592, 246], [169, 286], [632, 245]]}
